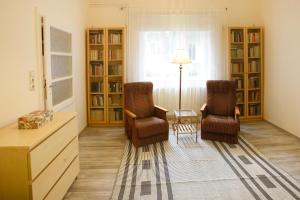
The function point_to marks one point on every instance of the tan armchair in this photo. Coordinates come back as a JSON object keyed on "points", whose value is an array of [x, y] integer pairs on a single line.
{"points": [[220, 116], [145, 123]]}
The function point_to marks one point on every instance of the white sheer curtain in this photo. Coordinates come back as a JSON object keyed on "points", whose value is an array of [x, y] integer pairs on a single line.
{"points": [[154, 36]]}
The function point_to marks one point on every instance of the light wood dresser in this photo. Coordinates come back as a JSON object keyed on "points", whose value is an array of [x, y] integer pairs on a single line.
{"points": [[41, 163]]}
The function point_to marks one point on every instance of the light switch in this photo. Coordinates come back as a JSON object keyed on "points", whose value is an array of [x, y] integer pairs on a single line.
{"points": [[31, 81]]}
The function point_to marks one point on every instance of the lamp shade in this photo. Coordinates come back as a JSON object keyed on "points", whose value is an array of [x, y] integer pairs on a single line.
{"points": [[181, 57]]}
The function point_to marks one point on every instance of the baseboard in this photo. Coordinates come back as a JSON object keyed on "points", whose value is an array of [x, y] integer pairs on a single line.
{"points": [[81, 131], [281, 129]]}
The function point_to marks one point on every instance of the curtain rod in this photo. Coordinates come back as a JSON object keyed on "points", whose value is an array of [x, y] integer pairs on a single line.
{"points": [[124, 6]]}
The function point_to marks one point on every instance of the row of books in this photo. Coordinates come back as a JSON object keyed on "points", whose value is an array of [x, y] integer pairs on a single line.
{"points": [[239, 82], [96, 38], [115, 38], [254, 110], [239, 97], [253, 82], [115, 54], [114, 69], [115, 100], [254, 96], [97, 114], [115, 86], [97, 100], [97, 69], [253, 66], [237, 36], [96, 86], [96, 54], [254, 52], [237, 52], [116, 114], [253, 37], [237, 68]]}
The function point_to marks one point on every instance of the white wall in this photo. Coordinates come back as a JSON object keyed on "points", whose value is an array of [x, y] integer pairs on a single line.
{"points": [[282, 64], [108, 12], [19, 54]]}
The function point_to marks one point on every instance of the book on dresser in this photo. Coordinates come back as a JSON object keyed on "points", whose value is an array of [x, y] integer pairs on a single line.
{"points": [[105, 76], [246, 62]]}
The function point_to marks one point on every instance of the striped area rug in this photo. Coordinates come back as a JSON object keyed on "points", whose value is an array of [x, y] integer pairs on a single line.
{"points": [[203, 170]]}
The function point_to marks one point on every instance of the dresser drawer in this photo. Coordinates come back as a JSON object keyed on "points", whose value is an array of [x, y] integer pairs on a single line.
{"points": [[62, 186], [44, 153], [44, 182]]}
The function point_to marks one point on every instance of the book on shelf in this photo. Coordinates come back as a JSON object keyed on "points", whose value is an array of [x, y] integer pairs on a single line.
{"points": [[96, 86], [115, 54], [115, 86], [254, 66], [97, 69], [114, 69], [236, 36], [115, 100], [97, 114], [253, 82], [239, 97], [254, 95], [254, 109], [237, 68], [97, 100], [239, 82], [116, 114], [253, 52], [96, 38], [96, 54], [115, 38], [237, 52], [253, 37]]}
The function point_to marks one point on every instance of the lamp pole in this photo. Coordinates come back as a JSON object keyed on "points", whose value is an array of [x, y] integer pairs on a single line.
{"points": [[180, 69]]}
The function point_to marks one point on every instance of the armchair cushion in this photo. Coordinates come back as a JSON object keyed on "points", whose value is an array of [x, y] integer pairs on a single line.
{"points": [[221, 97], [150, 126], [220, 124], [138, 98]]}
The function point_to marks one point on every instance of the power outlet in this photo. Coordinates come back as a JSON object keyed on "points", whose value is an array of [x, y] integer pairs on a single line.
{"points": [[31, 81]]}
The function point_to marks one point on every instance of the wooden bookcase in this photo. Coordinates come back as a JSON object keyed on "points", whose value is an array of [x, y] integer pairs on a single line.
{"points": [[105, 76], [246, 67]]}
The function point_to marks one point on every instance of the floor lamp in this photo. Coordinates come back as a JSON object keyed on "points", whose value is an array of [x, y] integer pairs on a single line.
{"points": [[180, 58]]}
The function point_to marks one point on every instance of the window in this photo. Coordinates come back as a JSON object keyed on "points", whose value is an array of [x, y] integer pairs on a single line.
{"points": [[61, 68], [153, 38], [159, 48]]}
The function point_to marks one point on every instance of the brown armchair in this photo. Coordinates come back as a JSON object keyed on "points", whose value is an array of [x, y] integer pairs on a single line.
{"points": [[220, 116], [145, 123]]}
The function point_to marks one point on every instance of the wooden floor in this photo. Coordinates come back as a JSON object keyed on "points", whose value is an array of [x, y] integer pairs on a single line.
{"points": [[102, 149], [100, 152]]}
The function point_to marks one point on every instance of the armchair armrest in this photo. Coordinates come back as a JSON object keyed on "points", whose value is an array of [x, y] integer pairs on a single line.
{"points": [[130, 114], [237, 113], [160, 112], [204, 110], [129, 123]]}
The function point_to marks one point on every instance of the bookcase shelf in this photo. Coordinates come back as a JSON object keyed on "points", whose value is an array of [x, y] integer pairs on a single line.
{"points": [[105, 76], [246, 61]]}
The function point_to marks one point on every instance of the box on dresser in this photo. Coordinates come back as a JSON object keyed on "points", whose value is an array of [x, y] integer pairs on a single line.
{"points": [[35, 119]]}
